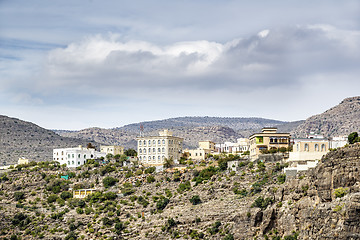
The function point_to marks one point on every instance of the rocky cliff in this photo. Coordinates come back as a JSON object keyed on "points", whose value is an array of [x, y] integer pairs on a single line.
{"points": [[342, 119]]}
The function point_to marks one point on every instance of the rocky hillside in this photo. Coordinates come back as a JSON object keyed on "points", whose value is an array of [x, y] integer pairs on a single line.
{"points": [[257, 202], [192, 129], [339, 120], [24, 139]]}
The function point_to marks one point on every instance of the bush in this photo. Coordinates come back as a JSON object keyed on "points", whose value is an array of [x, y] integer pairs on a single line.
{"points": [[150, 170], [109, 181], [71, 236], [127, 189], [141, 200], [281, 178], [162, 203], [107, 222], [52, 198], [229, 237], [262, 203], [150, 179], [110, 196], [20, 219], [184, 187], [195, 200], [19, 196], [340, 192], [119, 227], [215, 228], [66, 194]]}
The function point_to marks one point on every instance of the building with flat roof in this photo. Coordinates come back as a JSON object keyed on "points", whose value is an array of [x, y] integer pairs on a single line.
{"points": [[114, 150], [152, 150], [241, 145], [75, 157], [268, 139]]}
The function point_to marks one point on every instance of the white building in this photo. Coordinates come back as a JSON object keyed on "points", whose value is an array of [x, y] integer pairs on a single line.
{"points": [[152, 150], [74, 157], [114, 150], [337, 142], [240, 146]]}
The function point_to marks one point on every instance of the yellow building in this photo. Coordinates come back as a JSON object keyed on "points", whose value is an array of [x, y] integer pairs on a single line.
{"points": [[23, 160], [268, 139], [153, 150], [82, 193], [198, 154], [114, 150]]}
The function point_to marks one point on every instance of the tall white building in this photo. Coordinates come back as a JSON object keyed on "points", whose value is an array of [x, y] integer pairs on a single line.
{"points": [[152, 150], [74, 157]]}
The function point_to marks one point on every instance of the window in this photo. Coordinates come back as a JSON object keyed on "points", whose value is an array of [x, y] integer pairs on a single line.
{"points": [[68, 155], [158, 157], [153, 157], [163, 149], [144, 142], [149, 157], [163, 157], [140, 157], [200, 154], [323, 148], [154, 150], [73, 155], [62, 153], [79, 156], [85, 156], [144, 150], [140, 142], [72, 162], [78, 163], [163, 141], [68, 162], [149, 142], [154, 142], [306, 147], [140, 151], [149, 150], [159, 142], [159, 150], [316, 147], [92, 156]]}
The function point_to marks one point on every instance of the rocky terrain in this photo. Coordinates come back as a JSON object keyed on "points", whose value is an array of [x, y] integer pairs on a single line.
{"points": [[342, 119], [24, 139], [204, 202]]}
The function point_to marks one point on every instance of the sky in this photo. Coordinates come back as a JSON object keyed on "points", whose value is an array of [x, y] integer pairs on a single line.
{"points": [[88, 63]]}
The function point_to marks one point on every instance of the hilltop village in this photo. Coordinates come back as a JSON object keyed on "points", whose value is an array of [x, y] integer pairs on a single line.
{"points": [[269, 186]]}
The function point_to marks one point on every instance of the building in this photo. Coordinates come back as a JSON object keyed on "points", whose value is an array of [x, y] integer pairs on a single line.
{"points": [[114, 150], [305, 149], [268, 139], [242, 145], [153, 150], [74, 157], [198, 154], [83, 193], [208, 145], [23, 160], [339, 141]]}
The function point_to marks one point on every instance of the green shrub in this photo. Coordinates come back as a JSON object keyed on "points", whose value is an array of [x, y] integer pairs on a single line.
{"points": [[150, 179], [66, 194], [109, 181], [141, 200], [19, 196], [281, 178], [215, 228], [195, 200], [162, 203], [184, 187], [340, 192], [150, 170], [52, 198], [262, 203]]}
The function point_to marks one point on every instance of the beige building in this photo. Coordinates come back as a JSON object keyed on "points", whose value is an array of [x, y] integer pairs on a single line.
{"points": [[308, 149], [198, 154], [152, 150], [114, 150], [268, 139], [23, 160], [208, 145]]}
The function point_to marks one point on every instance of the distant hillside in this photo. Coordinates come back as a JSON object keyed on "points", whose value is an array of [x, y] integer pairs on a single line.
{"points": [[24, 139], [234, 123], [342, 119], [192, 129]]}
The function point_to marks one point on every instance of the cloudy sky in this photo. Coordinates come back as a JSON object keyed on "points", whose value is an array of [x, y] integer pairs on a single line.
{"points": [[68, 64]]}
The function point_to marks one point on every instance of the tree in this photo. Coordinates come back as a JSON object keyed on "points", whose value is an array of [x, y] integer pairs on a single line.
{"points": [[89, 145], [130, 152], [109, 181], [19, 196], [168, 162], [353, 137], [195, 200]]}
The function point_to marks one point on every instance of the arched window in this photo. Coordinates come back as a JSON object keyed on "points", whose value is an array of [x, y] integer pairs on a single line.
{"points": [[140, 142], [68, 162], [306, 147], [163, 141], [154, 150], [149, 142], [159, 150], [158, 157], [140, 151], [297, 147], [62, 152], [144, 150], [149, 158], [158, 141], [163, 157], [153, 157], [154, 142], [163, 149], [316, 147], [85, 156], [149, 150], [144, 142], [323, 148], [140, 157]]}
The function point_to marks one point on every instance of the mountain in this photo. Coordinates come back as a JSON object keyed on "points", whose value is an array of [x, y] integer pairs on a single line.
{"points": [[342, 119], [24, 139], [192, 129]]}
